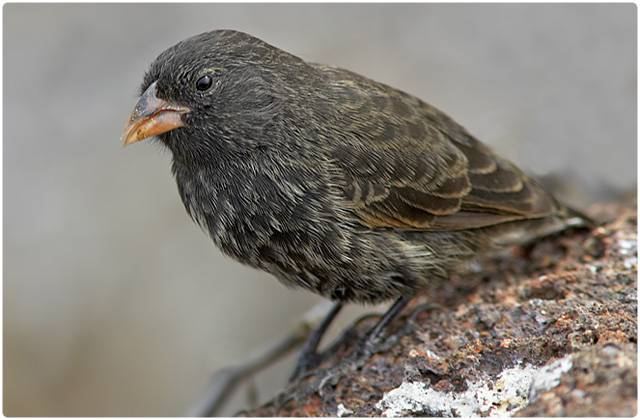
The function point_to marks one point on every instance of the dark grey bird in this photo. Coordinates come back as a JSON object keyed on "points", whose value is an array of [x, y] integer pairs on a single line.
{"points": [[326, 179]]}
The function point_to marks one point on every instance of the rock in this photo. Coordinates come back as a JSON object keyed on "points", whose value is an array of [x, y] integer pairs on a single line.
{"points": [[549, 330]]}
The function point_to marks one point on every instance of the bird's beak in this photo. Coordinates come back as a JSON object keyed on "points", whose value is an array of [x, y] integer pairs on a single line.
{"points": [[152, 116]]}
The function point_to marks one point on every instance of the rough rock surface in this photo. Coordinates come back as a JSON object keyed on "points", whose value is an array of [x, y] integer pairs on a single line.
{"points": [[549, 330]]}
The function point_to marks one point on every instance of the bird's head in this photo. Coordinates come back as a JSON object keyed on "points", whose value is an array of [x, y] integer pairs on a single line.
{"points": [[217, 90]]}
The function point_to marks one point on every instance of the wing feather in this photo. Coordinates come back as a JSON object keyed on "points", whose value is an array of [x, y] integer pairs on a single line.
{"points": [[408, 165]]}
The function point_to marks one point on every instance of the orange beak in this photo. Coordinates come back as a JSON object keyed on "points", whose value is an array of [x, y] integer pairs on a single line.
{"points": [[152, 116]]}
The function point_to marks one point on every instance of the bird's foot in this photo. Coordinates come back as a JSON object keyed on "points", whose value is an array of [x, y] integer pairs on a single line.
{"points": [[309, 358], [308, 377], [364, 346]]}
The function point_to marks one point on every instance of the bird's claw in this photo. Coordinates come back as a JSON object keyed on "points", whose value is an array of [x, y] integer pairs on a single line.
{"points": [[364, 347]]}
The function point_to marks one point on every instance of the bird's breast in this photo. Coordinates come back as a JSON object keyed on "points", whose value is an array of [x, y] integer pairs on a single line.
{"points": [[270, 217]]}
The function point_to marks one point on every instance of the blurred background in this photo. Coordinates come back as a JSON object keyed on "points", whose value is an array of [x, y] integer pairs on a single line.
{"points": [[116, 304]]}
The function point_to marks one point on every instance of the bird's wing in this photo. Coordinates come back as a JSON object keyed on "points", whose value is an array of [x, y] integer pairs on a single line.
{"points": [[408, 165]]}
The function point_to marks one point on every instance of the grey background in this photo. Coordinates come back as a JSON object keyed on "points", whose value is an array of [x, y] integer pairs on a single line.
{"points": [[116, 304]]}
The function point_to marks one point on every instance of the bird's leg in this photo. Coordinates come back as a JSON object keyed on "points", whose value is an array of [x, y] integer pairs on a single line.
{"points": [[308, 357], [366, 344], [370, 343], [391, 314], [373, 342]]}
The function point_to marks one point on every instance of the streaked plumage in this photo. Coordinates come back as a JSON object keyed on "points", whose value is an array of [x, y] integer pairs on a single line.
{"points": [[329, 180]]}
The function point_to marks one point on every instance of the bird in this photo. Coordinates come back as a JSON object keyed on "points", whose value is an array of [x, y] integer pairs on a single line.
{"points": [[330, 181]]}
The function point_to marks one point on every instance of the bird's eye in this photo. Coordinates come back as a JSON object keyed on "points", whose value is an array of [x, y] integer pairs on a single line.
{"points": [[204, 83]]}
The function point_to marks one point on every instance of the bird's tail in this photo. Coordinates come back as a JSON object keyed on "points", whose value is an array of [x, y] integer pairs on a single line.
{"points": [[575, 218]]}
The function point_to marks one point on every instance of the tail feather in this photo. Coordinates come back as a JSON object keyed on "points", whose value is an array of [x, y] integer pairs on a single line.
{"points": [[576, 218]]}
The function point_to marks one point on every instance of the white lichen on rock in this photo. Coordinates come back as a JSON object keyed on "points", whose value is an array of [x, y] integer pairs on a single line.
{"points": [[343, 411], [501, 396], [548, 376]]}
